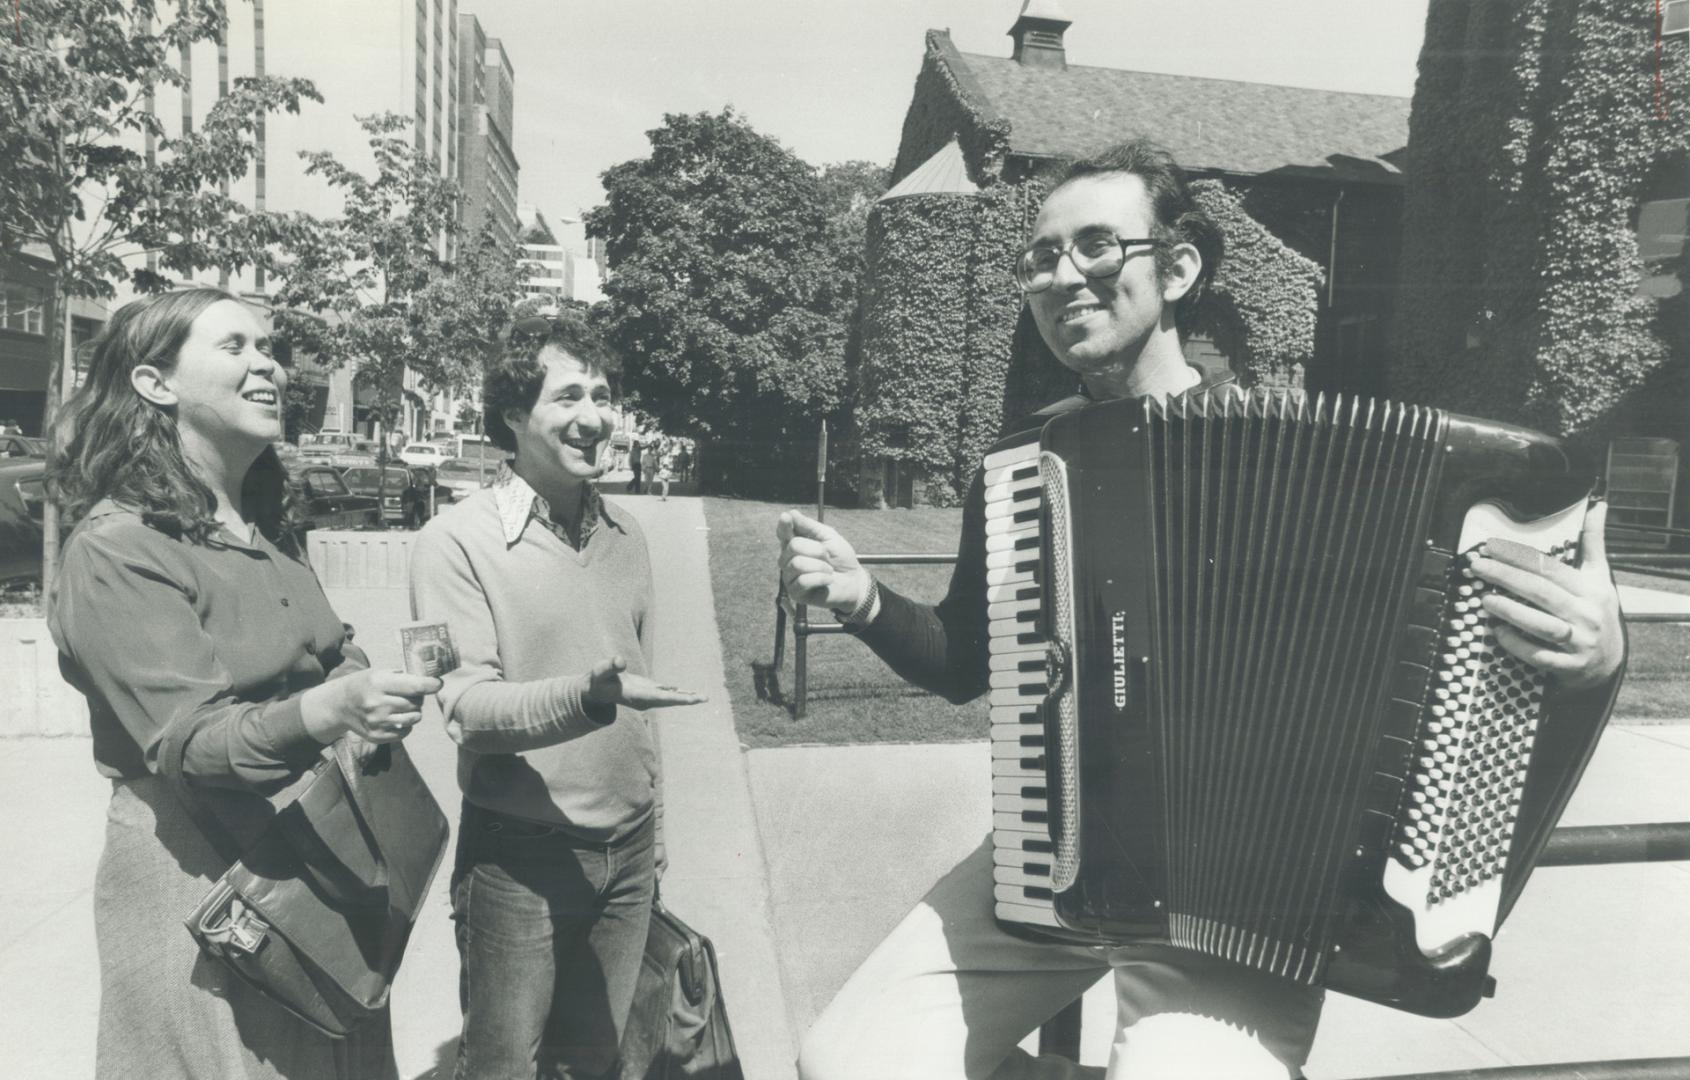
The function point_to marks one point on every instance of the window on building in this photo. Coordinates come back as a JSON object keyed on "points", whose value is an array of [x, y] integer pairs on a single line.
{"points": [[1663, 225], [24, 309], [1675, 18]]}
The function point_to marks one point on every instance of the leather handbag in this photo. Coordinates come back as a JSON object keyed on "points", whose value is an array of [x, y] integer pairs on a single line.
{"points": [[317, 913], [678, 1026]]}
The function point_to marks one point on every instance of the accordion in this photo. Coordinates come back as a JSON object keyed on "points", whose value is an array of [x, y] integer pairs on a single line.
{"points": [[1245, 699]]}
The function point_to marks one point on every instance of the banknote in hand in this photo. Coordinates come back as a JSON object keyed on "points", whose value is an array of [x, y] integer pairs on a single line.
{"points": [[427, 648]]}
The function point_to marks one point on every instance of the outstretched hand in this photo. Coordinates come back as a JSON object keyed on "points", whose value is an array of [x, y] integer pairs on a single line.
{"points": [[611, 683], [819, 566], [1563, 619]]}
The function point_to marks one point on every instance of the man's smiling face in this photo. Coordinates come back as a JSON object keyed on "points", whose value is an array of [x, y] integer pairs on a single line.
{"points": [[1099, 324], [565, 434]]}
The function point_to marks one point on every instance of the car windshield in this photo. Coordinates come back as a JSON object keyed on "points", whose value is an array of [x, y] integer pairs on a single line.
{"points": [[362, 478], [324, 482]]}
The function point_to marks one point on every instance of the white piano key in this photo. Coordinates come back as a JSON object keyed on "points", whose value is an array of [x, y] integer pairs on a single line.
{"points": [[1002, 713], [1012, 455], [1011, 875], [1033, 862], [1026, 787], [1021, 559], [1003, 541], [1013, 768], [1011, 661], [1014, 733], [997, 628], [1017, 824], [1013, 484], [1005, 680], [1010, 752], [1019, 804], [1027, 641], [1031, 912], [1020, 590], [1016, 894], [1018, 610], [1023, 844], [1005, 510], [1004, 525], [1018, 695], [1008, 576]]}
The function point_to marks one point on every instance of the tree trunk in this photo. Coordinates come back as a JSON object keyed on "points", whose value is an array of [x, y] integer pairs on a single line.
{"points": [[61, 379]]}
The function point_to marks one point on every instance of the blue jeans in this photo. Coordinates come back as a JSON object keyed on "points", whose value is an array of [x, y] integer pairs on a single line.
{"points": [[551, 931]]}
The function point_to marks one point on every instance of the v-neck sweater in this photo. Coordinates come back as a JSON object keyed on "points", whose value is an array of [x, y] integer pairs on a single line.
{"points": [[530, 617]]}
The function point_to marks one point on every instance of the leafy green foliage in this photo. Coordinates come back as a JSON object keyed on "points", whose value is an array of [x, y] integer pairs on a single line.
{"points": [[76, 78], [1264, 298], [732, 284], [374, 286], [949, 353], [1534, 129]]}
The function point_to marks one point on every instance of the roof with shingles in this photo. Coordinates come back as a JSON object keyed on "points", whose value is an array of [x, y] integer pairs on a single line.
{"points": [[1207, 124]]}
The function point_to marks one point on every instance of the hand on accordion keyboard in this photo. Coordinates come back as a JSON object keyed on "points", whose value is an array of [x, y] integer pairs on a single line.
{"points": [[818, 566], [1561, 618]]}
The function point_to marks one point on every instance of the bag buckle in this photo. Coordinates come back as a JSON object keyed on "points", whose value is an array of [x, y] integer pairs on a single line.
{"points": [[246, 931]]}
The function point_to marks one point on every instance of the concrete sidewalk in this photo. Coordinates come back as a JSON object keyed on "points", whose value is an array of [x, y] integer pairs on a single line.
{"points": [[796, 861]]}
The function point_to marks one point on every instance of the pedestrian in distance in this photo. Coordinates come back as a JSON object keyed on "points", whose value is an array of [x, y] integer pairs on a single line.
{"points": [[184, 609], [636, 455], [1119, 254], [547, 589], [663, 462]]}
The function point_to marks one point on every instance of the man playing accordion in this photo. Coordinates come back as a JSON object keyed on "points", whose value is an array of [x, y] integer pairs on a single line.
{"points": [[1119, 256]]}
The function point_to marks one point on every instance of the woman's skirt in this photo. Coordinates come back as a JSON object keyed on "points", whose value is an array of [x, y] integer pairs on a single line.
{"points": [[166, 1010]]}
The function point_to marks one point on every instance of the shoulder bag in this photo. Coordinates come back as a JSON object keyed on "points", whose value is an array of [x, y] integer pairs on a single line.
{"points": [[317, 913]]}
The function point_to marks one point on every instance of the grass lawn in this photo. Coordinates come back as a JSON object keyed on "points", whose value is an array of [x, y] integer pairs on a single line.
{"points": [[1657, 678], [854, 698]]}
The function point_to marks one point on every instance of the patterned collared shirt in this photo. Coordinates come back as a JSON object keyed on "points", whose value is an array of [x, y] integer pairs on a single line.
{"points": [[519, 504]]}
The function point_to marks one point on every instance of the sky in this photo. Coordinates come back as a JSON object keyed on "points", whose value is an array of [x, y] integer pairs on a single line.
{"points": [[832, 79]]}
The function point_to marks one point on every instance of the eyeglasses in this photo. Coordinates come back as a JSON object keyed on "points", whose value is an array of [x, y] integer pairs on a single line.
{"points": [[1096, 253]]}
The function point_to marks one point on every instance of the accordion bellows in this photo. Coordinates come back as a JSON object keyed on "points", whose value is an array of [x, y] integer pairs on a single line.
{"points": [[1246, 700]]}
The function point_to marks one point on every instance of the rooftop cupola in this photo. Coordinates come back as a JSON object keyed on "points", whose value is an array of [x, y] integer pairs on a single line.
{"points": [[1038, 35]]}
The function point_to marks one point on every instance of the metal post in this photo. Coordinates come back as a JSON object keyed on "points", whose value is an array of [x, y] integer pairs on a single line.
{"points": [[800, 662], [821, 475]]}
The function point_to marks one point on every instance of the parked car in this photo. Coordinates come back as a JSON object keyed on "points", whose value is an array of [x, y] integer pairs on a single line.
{"points": [[422, 453], [465, 476], [404, 494], [23, 466], [329, 504], [339, 448]]}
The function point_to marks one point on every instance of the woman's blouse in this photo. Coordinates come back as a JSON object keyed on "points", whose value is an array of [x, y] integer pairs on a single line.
{"points": [[222, 634]]}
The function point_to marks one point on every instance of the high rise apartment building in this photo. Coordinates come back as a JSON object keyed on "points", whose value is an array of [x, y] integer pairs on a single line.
{"points": [[486, 132], [364, 57]]}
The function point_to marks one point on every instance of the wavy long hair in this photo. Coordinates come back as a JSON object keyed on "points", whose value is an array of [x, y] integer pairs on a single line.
{"points": [[110, 442]]}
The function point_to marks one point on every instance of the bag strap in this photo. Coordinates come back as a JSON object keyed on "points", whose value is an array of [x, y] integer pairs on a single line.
{"points": [[347, 886]]}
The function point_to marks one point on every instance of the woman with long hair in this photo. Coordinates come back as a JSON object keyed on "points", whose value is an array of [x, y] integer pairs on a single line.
{"points": [[185, 610]]}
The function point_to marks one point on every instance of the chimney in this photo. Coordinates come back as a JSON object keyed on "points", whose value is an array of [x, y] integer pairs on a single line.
{"points": [[1038, 35]]}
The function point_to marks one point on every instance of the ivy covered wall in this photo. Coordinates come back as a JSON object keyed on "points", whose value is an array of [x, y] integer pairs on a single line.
{"points": [[1534, 129], [947, 352]]}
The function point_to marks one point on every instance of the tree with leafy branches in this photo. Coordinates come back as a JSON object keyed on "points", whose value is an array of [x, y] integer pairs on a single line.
{"points": [[730, 294], [392, 285], [77, 78]]}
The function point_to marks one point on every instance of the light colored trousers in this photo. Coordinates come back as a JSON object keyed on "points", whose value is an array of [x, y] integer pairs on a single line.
{"points": [[949, 994]]}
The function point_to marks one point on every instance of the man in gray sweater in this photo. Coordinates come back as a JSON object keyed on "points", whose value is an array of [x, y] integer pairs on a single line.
{"points": [[547, 592]]}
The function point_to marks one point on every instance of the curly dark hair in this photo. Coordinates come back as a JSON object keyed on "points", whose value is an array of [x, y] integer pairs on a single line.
{"points": [[1176, 217], [109, 442], [514, 380]]}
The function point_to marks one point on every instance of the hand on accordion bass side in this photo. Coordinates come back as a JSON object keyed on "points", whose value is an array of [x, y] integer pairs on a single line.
{"points": [[1561, 618], [819, 566]]}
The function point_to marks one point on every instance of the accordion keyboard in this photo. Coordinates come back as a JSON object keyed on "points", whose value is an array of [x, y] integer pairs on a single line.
{"points": [[1021, 842]]}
